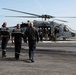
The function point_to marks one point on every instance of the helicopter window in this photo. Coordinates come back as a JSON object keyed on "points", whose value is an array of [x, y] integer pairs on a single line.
{"points": [[65, 29]]}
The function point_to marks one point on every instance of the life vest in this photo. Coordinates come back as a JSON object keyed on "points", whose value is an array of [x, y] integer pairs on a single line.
{"points": [[4, 32]]}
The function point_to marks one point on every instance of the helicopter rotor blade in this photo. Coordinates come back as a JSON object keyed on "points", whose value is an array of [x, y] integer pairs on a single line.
{"points": [[65, 17], [51, 16], [23, 16], [21, 12], [39, 16], [60, 20]]}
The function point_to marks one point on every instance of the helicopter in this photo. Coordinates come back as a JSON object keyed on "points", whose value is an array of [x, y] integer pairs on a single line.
{"points": [[53, 30]]}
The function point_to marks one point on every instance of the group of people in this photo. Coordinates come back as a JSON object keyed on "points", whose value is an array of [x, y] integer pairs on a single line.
{"points": [[30, 35]]}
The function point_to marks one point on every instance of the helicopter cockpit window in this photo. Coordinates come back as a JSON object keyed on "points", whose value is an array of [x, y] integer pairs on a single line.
{"points": [[65, 29]]}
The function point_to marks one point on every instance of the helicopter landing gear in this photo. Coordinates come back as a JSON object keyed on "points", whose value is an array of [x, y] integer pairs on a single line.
{"points": [[64, 38]]}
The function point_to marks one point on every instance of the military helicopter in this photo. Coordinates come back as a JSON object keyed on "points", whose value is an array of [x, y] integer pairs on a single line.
{"points": [[50, 29]]}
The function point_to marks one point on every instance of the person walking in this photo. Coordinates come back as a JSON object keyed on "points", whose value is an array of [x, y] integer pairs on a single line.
{"points": [[17, 34], [32, 34], [5, 36]]}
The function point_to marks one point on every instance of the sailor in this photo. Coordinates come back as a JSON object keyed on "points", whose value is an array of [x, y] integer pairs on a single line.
{"points": [[5, 36], [17, 34]]}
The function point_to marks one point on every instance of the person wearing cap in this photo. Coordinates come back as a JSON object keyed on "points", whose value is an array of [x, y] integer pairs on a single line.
{"points": [[5, 36], [32, 34], [17, 35]]}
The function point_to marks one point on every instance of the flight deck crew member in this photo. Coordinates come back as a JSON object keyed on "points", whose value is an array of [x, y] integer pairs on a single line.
{"points": [[5, 35], [32, 34], [17, 35]]}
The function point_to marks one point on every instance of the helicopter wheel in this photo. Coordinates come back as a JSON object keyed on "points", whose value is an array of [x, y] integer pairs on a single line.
{"points": [[64, 38]]}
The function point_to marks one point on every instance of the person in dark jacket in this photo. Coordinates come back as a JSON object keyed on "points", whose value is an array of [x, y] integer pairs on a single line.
{"points": [[17, 34], [5, 36], [32, 34]]}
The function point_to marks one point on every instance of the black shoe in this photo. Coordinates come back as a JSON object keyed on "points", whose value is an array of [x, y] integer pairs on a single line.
{"points": [[3, 53], [29, 58], [17, 58], [32, 61], [3, 56]]}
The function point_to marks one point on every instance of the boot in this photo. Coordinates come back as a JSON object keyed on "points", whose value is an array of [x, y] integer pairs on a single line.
{"points": [[3, 53]]}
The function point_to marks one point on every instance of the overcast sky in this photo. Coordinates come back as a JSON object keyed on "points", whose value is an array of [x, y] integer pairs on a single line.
{"points": [[50, 7]]}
